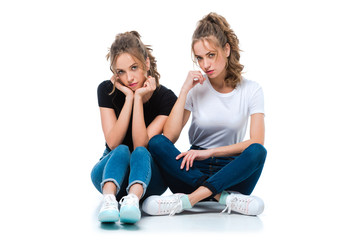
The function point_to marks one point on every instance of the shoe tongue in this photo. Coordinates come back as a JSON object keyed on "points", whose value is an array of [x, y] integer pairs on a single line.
{"points": [[109, 197]]}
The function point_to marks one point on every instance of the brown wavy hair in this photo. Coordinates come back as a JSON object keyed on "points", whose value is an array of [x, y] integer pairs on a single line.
{"points": [[215, 29], [130, 42]]}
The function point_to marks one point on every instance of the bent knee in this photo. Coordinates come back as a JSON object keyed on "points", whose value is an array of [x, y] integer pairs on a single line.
{"points": [[121, 149], [141, 150], [258, 150], [156, 141]]}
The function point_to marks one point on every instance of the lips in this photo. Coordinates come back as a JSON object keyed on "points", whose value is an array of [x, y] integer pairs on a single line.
{"points": [[132, 84], [210, 72]]}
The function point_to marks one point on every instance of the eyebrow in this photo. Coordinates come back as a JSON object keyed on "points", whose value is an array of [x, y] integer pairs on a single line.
{"points": [[210, 52], [119, 69]]}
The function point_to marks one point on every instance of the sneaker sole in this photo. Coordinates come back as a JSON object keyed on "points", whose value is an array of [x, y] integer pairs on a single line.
{"points": [[109, 216], [129, 214]]}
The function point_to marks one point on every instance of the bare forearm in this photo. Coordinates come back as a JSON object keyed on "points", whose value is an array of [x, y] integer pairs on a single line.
{"points": [[232, 150], [174, 123], [139, 131], [117, 134]]}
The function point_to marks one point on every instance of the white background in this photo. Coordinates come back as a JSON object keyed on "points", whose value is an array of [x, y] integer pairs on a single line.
{"points": [[305, 54]]}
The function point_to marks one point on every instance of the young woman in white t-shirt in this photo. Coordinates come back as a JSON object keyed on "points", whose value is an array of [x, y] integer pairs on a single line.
{"points": [[220, 164]]}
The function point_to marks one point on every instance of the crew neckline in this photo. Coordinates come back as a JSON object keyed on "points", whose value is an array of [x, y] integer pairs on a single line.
{"points": [[229, 94]]}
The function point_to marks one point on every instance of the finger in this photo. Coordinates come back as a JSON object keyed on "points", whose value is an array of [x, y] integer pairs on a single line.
{"points": [[182, 163], [188, 160], [185, 160], [151, 79], [180, 155], [202, 80], [191, 162], [199, 77], [118, 85], [146, 83], [152, 83]]}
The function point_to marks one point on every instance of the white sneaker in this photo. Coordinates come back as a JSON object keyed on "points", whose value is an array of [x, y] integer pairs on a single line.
{"points": [[163, 205], [247, 205], [129, 211], [109, 211]]}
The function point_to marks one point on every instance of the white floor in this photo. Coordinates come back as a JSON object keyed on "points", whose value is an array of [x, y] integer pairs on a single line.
{"points": [[205, 217], [205, 220]]}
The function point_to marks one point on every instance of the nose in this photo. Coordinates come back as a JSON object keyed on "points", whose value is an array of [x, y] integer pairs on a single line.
{"points": [[206, 64], [130, 77]]}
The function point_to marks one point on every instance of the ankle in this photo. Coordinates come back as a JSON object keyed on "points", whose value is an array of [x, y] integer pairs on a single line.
{"points": [[186, 203], [137, 190], [223, 197]]}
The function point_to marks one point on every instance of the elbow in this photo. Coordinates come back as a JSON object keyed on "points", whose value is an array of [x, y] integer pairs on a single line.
{"points": [[170, 135], [112, 144], [259, 141], [141, 142], [136, 145], [172, 138]]}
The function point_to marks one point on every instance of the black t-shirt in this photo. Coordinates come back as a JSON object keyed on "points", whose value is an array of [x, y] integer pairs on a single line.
{"points": [[160, 103]]}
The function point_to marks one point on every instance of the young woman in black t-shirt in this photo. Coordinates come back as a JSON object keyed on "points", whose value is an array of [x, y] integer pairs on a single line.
{"points": [[133, 108]]}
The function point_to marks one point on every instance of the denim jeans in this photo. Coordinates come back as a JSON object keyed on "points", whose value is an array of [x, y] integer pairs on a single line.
{"points": [[125, 169], [237, 173]]}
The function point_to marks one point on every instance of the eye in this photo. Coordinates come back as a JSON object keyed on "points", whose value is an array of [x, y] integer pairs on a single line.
{"points": [[134, 67], [211, 55], [198, 58], [119, 72]]}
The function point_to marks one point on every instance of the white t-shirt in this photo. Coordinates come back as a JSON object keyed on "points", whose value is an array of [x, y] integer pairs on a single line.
{"points": [[220, 119]]}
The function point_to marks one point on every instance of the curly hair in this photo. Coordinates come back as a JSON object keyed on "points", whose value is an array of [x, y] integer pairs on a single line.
{"points": [[215, 27], [130, 42]]}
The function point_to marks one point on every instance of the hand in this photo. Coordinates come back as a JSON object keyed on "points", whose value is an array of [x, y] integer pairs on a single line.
{"points": [[127, 91], [146, 91], [193, 78], [192, 155]]}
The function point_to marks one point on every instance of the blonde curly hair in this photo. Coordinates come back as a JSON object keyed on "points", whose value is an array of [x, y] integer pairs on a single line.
{"points": [[130, 42], [215, 29]]}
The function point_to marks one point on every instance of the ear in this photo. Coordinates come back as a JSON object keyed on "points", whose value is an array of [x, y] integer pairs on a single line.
{"points": [[227, 49], [147, 62]]}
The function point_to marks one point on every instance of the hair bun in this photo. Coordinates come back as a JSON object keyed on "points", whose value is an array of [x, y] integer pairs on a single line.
{"points": [[135, 33], [213, 18]]}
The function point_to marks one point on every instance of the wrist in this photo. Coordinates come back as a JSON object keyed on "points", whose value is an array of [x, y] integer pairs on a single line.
{"points": [[212, 152], [129, 97], [184, 90], [137, 97]]}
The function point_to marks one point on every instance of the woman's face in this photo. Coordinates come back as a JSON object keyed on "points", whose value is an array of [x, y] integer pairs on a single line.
{"points": [[130, 72], [212, 60]]}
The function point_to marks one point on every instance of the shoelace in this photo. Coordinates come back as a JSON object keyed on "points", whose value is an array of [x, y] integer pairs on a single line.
{"points": [[109, 203], [176, 208], [232, 204], [167, 205], [129, 200]]}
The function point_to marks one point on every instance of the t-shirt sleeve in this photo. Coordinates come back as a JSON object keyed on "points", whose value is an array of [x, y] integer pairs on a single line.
{"points": [[256, 104], [167, 102], [104, 99], [189, 103]]}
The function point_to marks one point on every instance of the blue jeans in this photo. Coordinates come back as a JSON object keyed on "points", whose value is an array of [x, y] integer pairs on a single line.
{"points": [[238, 173], [125, 169]]}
